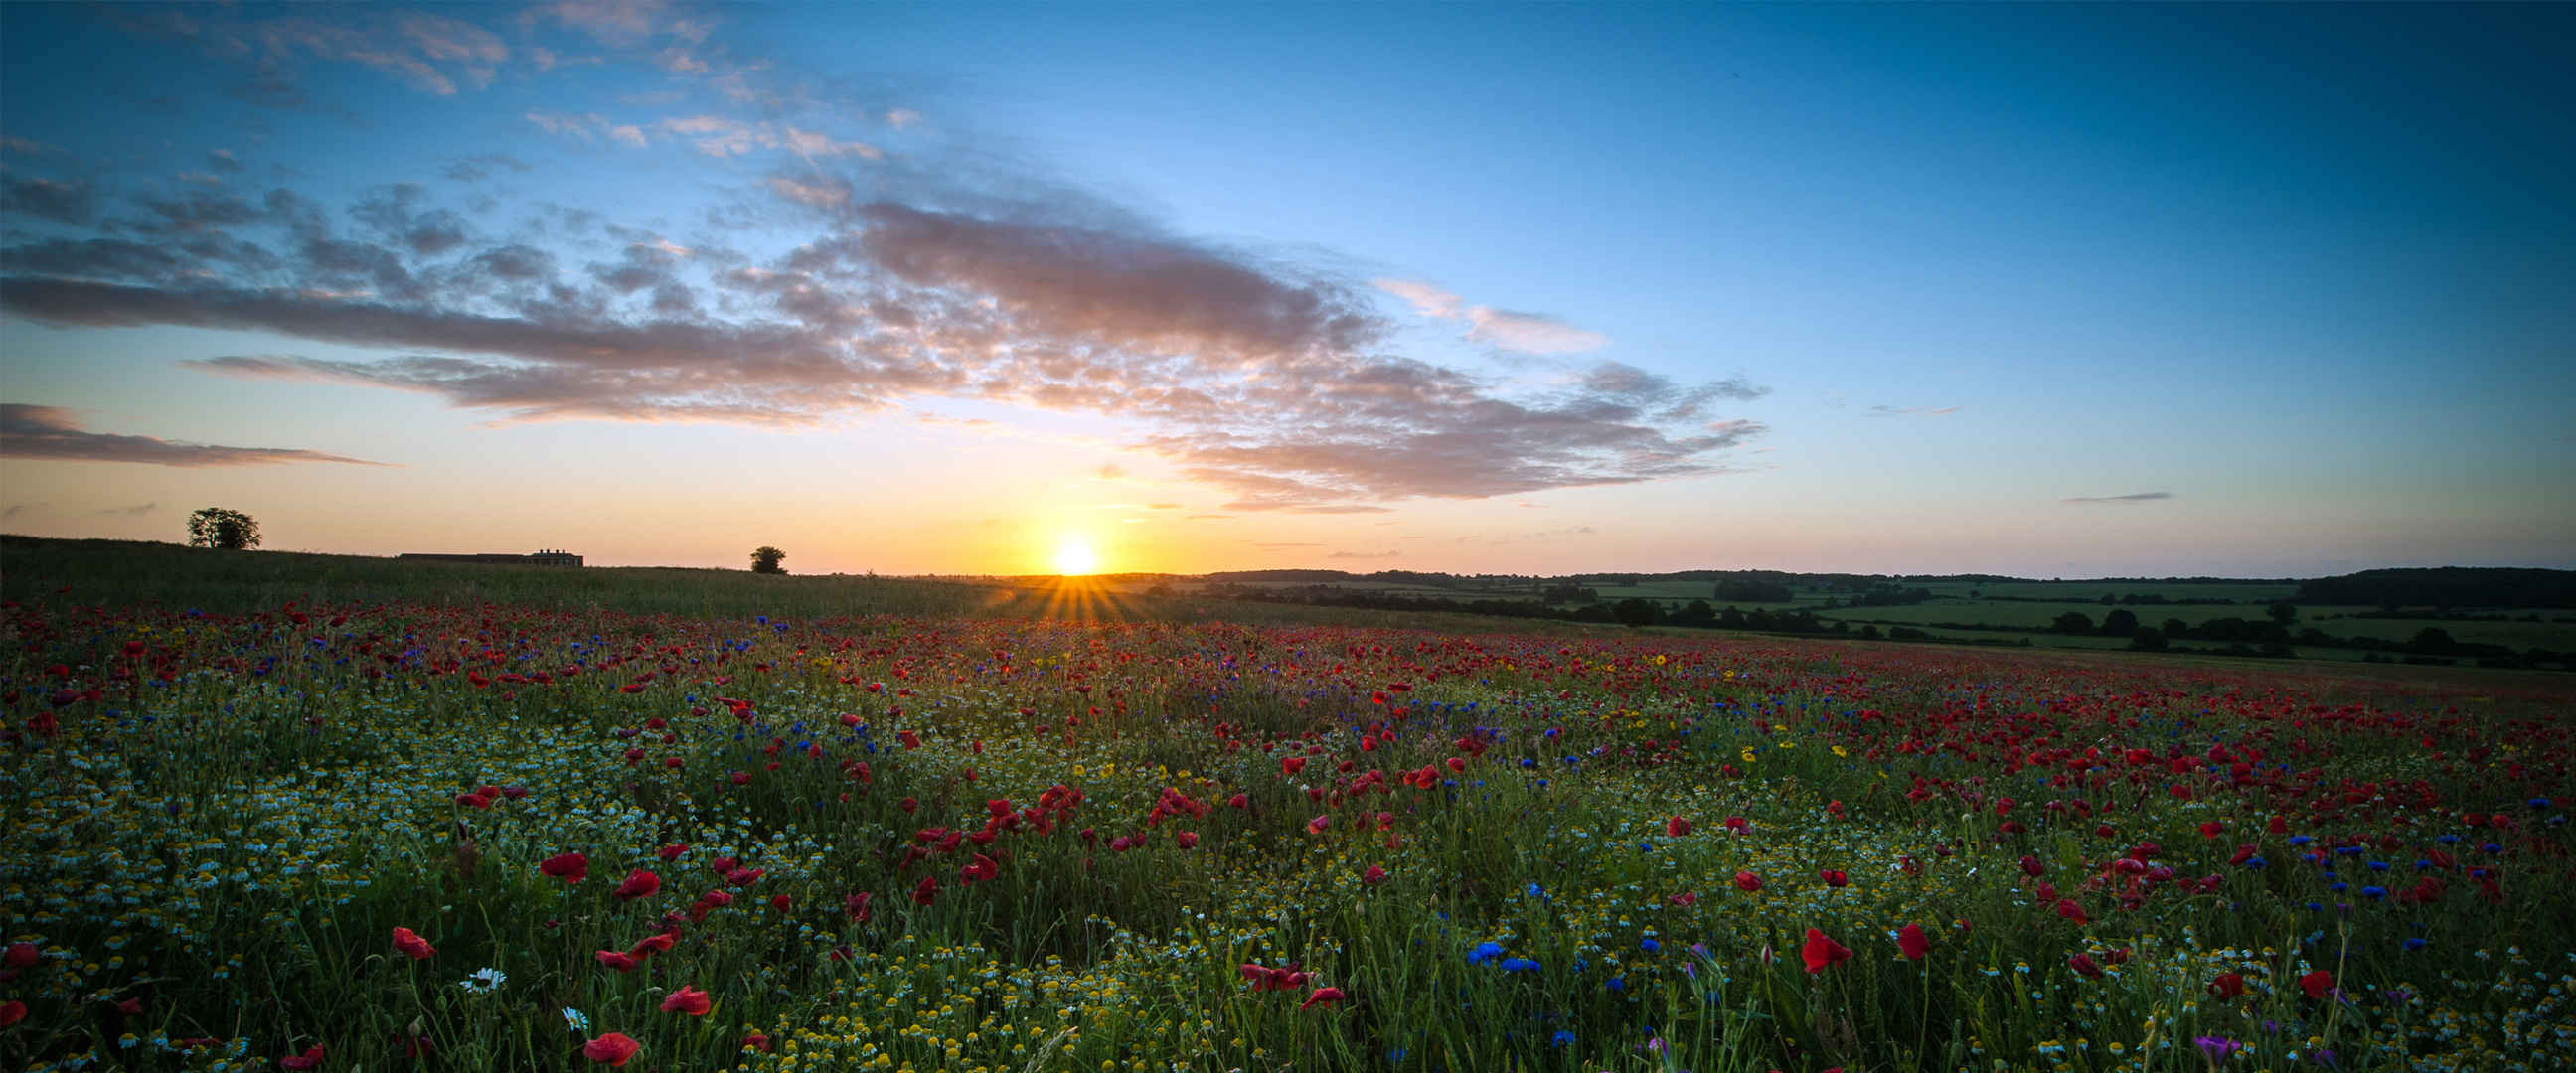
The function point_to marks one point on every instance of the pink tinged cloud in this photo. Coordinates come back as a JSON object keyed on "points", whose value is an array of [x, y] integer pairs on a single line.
{"points": [[51, 433]]}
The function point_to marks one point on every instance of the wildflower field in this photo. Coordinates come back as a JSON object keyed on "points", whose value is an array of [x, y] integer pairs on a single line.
{"points": [[400, 835]]}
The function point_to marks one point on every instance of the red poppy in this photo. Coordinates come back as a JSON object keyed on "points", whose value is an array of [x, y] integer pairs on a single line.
{"points": [[1747, 881], [2030, 866], [2067, 908], [1834, 877], [855, 906], [2083, 963], [1317, 825], [12, 1012], [1188, 839], [688, 1000], [473, 801], [614, 1048], [1677, 827], [757, 1041], [1323, 996], [639, 884], [310, 1059], [910, 740], [1912, 942], [981, 869], [927, 892], [1292, 765], [2317, 984], [652, 944], [410, 943], [781, 902], [569, 867], [21, 955], [618, 960], [1821, 952], [1374, 876], [2228, 985]]}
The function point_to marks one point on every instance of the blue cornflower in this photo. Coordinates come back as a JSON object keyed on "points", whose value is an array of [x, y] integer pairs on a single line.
{"points": [[1484, 952], [1561, 1038], [1650, 946], [1519, 965]]}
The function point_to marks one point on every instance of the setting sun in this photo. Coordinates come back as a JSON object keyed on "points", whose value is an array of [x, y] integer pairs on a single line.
{"points": [[1074, 557]]}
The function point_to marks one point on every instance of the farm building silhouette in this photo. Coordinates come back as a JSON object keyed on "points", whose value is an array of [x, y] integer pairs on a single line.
{"points": [[542, 558]]}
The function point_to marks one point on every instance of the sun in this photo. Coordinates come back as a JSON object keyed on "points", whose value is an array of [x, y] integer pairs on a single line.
{"points": [[1073, 557]]}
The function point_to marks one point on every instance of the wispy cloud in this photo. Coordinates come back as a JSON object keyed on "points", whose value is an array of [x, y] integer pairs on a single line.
{"points": [[1364, 555], [50, 432], [1905, 411], [1502, 329], [2133, 497], [135, 511], [15, 509]]}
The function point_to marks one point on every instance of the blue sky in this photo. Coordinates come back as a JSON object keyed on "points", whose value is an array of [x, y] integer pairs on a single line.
{"points": [[2039, 290]]}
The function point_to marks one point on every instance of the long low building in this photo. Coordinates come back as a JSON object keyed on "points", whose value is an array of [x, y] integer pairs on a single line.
{"points": [[542, 558]]}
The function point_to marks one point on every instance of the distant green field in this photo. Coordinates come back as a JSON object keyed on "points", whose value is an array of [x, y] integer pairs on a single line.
{"points": [[2557, 636], [124, 573]]}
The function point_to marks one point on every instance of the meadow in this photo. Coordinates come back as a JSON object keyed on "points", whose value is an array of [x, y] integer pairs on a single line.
{"points": [[395, 817]]}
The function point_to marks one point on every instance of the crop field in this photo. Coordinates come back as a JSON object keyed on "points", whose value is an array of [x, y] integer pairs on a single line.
{"points": [[438, 833]]}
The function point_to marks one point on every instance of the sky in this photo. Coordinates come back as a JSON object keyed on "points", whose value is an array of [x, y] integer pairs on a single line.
{"points": [[2075, 290]]}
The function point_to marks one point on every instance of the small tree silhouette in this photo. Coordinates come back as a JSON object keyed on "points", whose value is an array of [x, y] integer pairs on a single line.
{"points": [[216, 527], [764, 560]]}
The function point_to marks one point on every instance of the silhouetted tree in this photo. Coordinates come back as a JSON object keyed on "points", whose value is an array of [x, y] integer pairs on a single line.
{"points": [[2120, 623], [2147, 639], [1636, 612], [2284, 613], [216, 527], [1695, 614], [764, 560], [2073, 622]]}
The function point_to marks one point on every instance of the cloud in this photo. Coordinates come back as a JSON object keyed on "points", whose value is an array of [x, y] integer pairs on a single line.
{"points": [[223, 160], [612, 22], [588, 126], [1364, 555], [1277, 545], [50, 432], [15, 509], [1426, 299], [1502, 329], [2133, 497], [136, 511], [1901, 411], [476, 168], [1109, 471], [1529, 333], [47, 199], [26, 146], [1261, 375]]}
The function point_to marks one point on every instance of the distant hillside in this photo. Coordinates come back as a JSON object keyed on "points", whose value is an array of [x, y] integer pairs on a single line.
{"points": [[2446, 587]]}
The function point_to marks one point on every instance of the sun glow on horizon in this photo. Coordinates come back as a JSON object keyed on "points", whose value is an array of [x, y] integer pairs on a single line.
{"points": [[1074, 557]]}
